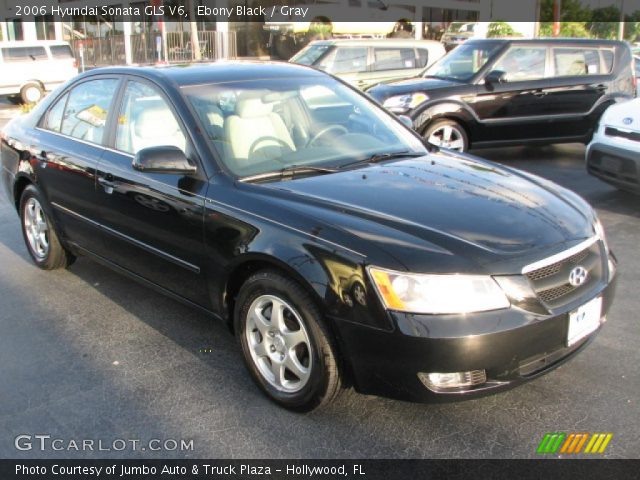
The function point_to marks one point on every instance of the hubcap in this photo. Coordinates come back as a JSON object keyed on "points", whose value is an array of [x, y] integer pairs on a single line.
{"points": [[278, 343], [447, 136], [36, 228], [32, 94]]}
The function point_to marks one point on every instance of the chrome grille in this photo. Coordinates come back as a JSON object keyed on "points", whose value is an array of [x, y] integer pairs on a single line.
{"points": [[551, 282]]}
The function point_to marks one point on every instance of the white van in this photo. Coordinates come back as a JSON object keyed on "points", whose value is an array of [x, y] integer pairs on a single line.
{"points": [[29, 69]]}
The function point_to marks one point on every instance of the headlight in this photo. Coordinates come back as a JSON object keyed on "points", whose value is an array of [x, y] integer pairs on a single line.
{"points": [[402, 103], [431, 294]]}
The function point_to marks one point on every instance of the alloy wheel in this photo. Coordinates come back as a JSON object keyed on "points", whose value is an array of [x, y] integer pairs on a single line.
{"points": [[36, 228], [448, 136], [278, 343]]}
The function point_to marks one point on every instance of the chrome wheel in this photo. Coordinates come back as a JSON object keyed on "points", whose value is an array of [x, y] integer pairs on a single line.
{"points": [[448, 136], [36, 228], [278, 343]]}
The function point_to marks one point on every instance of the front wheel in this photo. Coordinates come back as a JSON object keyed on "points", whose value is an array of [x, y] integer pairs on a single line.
{"points": [[285, 342], [39, 232], [447, 134]]}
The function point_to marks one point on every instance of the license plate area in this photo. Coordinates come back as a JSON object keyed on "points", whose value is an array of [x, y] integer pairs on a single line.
{"points": [[584, 320]]}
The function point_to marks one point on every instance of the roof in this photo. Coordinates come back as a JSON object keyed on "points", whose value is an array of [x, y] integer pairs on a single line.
{"points": [[554, 40], [391, 42], [216, 72]]}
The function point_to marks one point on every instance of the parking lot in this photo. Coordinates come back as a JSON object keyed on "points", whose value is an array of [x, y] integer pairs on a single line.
{"points": [[89, 354]]}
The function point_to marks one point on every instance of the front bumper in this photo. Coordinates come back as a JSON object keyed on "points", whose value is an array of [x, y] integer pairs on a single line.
{"points": [[618, 166], [512, 345]]}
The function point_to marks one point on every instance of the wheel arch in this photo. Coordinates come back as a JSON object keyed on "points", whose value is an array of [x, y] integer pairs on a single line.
{"points": [[243, 267], [455, 111], [21, 182]]}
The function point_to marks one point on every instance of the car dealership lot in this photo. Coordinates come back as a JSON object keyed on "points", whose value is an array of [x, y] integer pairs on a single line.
{"points": [[88, 354]]}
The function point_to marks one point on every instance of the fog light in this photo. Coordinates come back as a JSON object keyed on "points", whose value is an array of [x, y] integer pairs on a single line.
{"points": [[456, 380]]}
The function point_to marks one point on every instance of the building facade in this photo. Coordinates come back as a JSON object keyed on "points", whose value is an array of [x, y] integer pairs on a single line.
{"points": [[102, 40]]}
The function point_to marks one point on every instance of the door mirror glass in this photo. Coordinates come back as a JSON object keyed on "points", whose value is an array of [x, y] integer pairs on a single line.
{"points": [[163, 159], [406, 121], [495, 77]]}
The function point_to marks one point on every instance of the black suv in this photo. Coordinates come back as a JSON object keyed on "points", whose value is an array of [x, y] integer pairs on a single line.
{"points": [[499, 92]]}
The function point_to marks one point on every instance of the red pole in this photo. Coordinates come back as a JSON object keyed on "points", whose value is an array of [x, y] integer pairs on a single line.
{"points": [[557, 7]]}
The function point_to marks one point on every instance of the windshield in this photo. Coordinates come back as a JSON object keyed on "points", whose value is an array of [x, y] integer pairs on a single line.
{"points": [[463, 62], [268, 125], [310, 54]]}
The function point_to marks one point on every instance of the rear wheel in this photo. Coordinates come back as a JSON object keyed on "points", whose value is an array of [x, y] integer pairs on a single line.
{"points": [[286, 344], [447, 133], [39, 232], [31, 93]]}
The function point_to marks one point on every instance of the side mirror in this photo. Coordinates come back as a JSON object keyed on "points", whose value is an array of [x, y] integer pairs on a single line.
{"points": [[495, 77], [406, 121], [163, 159]]}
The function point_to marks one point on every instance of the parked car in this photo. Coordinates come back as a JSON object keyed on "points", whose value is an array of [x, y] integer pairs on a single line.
{"points": [[363, 63], [614, 153], [459, 32], [29, 69], [491, 93], [238, 189]]}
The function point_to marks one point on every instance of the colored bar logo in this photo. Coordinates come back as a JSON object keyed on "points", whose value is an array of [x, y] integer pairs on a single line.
{"points": [[573, 443]]}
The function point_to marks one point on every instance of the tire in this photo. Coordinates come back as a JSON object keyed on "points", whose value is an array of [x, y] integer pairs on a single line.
{"points": [[261, 341], [31, 93], [437, 132], [39, 232]]}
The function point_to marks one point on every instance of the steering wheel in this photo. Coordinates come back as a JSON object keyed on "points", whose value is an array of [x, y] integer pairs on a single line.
{"points": [[254, 145], [326, 130]]}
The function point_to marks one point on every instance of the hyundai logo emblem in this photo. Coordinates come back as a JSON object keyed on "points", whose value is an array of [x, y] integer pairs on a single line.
{"points": [[578, 276], [627, 120]]}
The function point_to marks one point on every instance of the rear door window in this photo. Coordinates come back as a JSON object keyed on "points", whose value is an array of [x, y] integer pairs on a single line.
{"points": [[576, 61], [87, 109], [423, 57], [393, 58], [61, 51], [347, 60], [24, 54]]}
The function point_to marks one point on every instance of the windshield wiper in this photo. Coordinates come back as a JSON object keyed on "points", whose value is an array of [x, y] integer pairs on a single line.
{"points": [[290, 171], [380, 157]]}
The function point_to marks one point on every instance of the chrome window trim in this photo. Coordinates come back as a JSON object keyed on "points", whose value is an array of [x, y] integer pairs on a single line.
{"points": [[559, 256], [97, 145]]}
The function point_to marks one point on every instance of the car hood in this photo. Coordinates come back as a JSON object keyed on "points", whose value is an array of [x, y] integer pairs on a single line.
{"points": [[624, 115], [444, 203], [385, 90]]}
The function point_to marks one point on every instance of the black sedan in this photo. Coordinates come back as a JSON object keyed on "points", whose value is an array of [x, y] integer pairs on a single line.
{"points": [[339, 247]]}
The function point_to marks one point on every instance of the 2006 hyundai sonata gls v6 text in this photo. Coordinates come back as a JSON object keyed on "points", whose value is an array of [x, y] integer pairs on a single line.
{"points": [[340, 248]]}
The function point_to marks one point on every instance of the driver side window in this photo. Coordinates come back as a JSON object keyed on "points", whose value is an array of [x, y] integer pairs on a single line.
{"points": [[523, 64], [146, 120]]}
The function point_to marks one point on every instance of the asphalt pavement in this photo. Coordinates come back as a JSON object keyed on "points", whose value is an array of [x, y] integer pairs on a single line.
{"points": [[87, 354]]}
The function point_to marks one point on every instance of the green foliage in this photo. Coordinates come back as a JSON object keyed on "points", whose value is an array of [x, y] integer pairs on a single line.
{"points": [[567, 29], [501, 29]]}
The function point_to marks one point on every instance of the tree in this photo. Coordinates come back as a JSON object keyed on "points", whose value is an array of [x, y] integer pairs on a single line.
{"points": [[567, 29], [604, 22], [570, 11], [501, 29]]}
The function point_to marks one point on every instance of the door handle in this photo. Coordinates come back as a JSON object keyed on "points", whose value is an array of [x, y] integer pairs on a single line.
{"points": [[107, 183], [601, 88], [539, 93]]}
